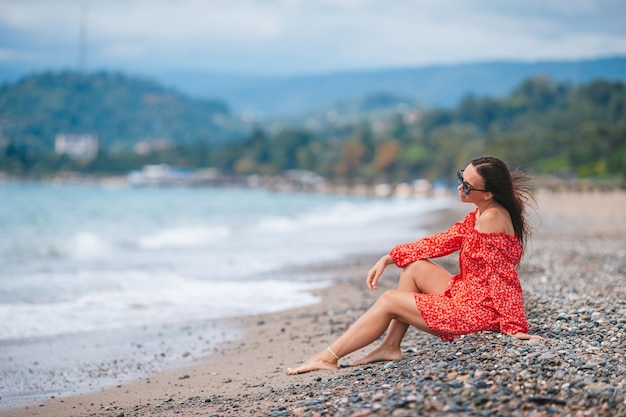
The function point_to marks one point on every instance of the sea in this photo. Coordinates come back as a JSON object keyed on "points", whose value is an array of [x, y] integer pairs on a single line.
{"points": [[88, 262]]}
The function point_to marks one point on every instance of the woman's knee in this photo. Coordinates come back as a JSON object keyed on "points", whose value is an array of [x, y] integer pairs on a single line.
{"points": [[418, 267], [417, 272], [427, 276], [396, 304]]}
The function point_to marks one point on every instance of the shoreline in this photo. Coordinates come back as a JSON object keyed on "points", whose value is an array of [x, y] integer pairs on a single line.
{"points": [[248, 375]]}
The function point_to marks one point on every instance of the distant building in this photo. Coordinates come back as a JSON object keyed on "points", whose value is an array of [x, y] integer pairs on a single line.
{"points": [[82, 146], [148, 146]]}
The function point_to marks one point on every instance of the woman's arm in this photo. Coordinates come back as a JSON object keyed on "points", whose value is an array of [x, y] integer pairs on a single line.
{"points": [[377, 270], [439, 244]]}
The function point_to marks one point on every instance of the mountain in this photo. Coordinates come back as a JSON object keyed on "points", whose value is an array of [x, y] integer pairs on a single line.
{"points": [[440, 86]]}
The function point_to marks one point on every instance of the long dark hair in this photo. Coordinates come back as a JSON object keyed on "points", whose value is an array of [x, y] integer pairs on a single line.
{"points": [[510, 189]]}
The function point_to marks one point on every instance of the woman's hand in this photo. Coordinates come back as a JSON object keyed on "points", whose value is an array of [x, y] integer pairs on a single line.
{"points": [[377, 270], [526, 336]]}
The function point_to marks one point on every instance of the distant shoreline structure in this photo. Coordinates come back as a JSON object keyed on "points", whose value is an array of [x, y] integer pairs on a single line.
{"points": [[292, 181]]}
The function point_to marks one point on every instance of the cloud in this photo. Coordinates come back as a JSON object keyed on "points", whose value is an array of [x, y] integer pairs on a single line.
{"points": [[286, 36], [189, 21]]}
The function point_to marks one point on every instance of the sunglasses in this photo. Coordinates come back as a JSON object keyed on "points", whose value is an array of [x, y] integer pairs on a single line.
{"points": [[466, 187]]}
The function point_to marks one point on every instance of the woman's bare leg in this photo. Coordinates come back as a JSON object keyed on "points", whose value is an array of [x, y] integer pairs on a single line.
{"points": [[392, 305], [423, 276]]}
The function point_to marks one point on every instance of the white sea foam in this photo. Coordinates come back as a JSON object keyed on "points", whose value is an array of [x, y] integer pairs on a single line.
{"points": [[184, 237], [143, 299], [276, 224], [86, 245]]}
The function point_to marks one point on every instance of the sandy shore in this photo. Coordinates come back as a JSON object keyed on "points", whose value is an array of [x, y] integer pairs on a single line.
{"points": [[574, 266]]}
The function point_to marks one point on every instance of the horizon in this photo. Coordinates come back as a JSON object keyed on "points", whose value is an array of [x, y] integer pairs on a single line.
{"points": [[23, 72]]}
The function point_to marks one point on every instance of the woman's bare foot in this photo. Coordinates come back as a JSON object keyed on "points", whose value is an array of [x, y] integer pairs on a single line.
{"points": [[316, 363], [381, 353]]}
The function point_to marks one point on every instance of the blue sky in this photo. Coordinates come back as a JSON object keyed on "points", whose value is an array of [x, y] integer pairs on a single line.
{"points": [[284, 37]]}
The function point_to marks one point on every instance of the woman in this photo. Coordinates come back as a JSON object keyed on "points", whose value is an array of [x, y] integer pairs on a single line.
{"points": [[485, 296]]}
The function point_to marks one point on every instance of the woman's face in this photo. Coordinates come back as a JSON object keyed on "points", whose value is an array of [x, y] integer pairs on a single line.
{"points": [[475, 181]]}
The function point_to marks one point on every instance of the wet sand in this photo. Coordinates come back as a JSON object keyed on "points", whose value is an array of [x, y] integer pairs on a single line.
{"points": [[573, 267]]}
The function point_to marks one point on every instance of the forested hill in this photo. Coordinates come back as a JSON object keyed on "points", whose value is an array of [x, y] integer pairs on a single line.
{"points": [[548, 128], [121, 110]]}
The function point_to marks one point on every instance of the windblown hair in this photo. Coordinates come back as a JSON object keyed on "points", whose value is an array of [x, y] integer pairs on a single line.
{"points": [[510, 189]]}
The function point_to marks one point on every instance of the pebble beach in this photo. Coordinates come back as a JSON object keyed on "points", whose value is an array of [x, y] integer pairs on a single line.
{"points": [[574, 279]]}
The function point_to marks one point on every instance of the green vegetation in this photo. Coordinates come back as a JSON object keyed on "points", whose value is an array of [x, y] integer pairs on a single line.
{"points": [[119, 109], [545, 127]]}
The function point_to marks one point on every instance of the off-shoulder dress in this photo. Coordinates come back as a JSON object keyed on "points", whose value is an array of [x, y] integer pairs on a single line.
{"points": [[486, 295]]}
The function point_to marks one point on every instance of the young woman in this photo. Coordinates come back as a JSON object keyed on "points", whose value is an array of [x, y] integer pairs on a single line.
{"points": [[485, 296]]}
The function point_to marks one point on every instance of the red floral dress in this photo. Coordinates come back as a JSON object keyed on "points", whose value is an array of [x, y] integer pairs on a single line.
{"points": [[485, 295]]}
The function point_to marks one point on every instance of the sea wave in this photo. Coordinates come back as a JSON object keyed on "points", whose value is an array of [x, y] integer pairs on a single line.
{"points": [[145, 299], [184, 237]]}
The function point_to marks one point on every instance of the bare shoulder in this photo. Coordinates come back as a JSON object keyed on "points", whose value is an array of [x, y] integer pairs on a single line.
{"points": [[495, 220]]}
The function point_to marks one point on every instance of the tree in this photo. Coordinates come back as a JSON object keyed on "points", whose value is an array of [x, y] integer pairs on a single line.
{"points": [[540, 93], [285, 148], [351, 160], [386, 158]]}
